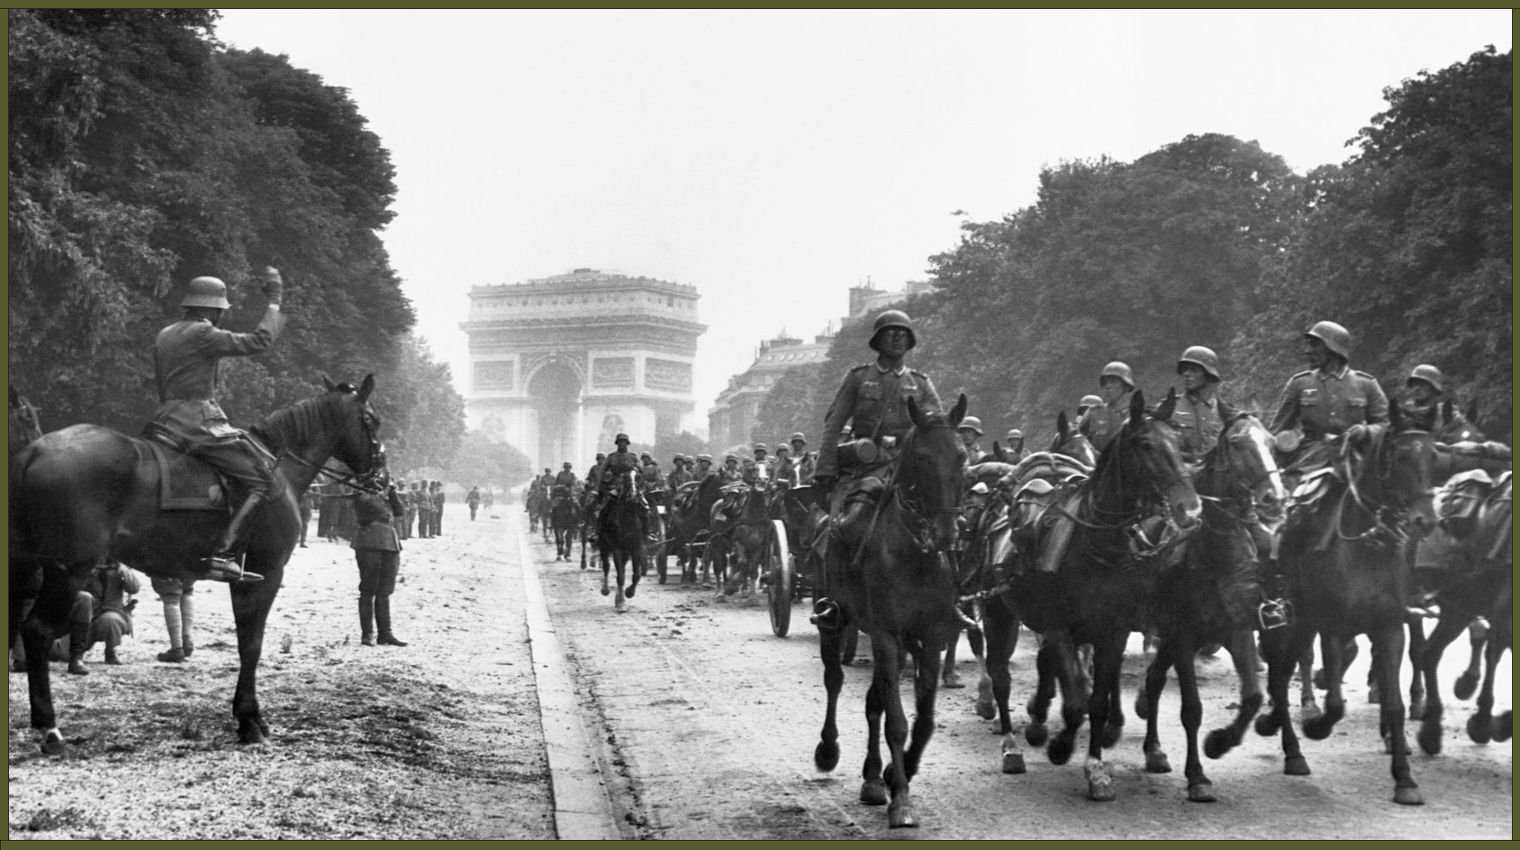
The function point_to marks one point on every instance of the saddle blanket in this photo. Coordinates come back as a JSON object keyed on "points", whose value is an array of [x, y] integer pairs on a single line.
{"points": [[185, 484]]}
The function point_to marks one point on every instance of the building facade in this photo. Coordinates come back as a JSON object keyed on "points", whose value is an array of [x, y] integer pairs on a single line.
{"points": [[732, 417], [560, 365]]}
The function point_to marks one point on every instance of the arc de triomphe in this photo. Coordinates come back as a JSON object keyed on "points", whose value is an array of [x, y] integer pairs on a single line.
{"points": [[559, 365]]}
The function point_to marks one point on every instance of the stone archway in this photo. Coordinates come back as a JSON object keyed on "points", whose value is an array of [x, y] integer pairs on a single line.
{"points": [[554, 391]]}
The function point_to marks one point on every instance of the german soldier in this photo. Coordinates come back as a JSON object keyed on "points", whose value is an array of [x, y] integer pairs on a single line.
{"points": [[1321, 402]]}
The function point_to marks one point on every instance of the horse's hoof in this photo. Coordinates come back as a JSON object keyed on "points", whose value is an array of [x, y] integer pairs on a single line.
{"points": [[1111, 734], [1059, 750], [606, 590], [1295, 766], [826, 756], [985, 710], [1142, 707], [1036, 734], [1100, 783], [1013, 763], [873, 792], [1309, 712], [1318, 679], [621, 608], [1201, 792], [1480, 728], [1504, 726], [1317, 729], [52, 743], [1219, 742], [1417, 709], [1266, 725], [1430, 738], [898, 818], [1157, 762], [1408, 797], [953, 681], [630, 591], [1465, 686]]}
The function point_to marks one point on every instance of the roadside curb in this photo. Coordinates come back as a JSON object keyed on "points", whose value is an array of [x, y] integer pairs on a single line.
{"points": [[582, 808]]}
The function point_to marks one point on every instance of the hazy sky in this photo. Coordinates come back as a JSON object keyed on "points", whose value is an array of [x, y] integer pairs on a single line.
{"points": [[773, 159]]}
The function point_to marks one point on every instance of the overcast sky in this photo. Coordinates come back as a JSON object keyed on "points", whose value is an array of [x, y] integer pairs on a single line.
{"points": [[773, 159]]}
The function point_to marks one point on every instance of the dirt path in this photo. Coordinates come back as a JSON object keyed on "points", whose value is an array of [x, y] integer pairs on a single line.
{"points": [[437, 739]]}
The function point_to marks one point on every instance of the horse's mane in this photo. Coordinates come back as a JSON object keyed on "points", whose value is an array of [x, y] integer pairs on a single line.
{"points": [[298, 420]]}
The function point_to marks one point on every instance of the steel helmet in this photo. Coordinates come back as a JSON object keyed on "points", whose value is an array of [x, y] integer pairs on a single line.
{"points": [[621, 438], [760, 447], [704, 457], [971, 422], [783, 447], [1335, 337], [1202, 357], [1089, 400], [798, 438], [206, 292], [730, 457], [1429, 374], [567, 464], [1119, 369], [893, 319], [1015, 434]]}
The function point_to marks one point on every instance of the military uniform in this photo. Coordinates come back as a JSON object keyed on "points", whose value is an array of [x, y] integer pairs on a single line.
{"points": [[875, 401], [1322, 403], [1199, 423], [1103, 422]]}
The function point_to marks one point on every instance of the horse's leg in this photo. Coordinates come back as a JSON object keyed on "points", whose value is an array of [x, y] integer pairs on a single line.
{"points": [[1108, 655], [1333, 648], [1426, 666], [1036, 732], [250, 611], [1387, 654], [1467, 683], [1199, 788], [952, 679], [1284, 649], [826, 754], [638, 558], [619, 601], [873, 791], [1147, 704], [925, 690], [601, 551], [899, 771], [1416, 652], [1308, 704], [1002, 632], [47, 620], [1480, 726], [1113, 727], [1242, 647]]}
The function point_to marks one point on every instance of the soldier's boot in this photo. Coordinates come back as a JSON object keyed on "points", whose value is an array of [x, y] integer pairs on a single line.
{"points": [[187, 623], [222, 565], [383, 622], [79, 638], [111, 657], [850, 526], [172, 621], [366, 619], [1056, 541]]}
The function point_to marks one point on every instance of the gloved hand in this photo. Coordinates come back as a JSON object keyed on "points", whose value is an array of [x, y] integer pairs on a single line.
{"points": [[274, 285]]}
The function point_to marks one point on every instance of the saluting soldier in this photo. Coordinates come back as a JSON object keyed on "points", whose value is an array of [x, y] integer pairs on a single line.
{"points": [[873, 399], [1321, 402], [1103, 422]]}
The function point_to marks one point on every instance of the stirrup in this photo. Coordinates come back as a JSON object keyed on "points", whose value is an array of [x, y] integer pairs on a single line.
{"points": [[226, 568], [825, 614], [1274, 614]]}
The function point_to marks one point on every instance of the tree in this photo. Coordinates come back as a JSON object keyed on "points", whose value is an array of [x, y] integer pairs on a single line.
{"points": [[480, 460], [667, 446], [422, 415], [790, 405]]}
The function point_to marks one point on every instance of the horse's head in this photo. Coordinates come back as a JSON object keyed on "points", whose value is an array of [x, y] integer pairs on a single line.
{"points": [[1455, 427], [1393, 467], [929, 470], [1144, 459], [358, 445], [1072, 443], [1242, 463]]}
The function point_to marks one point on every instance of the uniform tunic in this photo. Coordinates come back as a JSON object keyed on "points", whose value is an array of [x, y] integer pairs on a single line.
{"points": [[186, 361], [1103, 422], [1199, 422], [875, 401], [1323, 402]]}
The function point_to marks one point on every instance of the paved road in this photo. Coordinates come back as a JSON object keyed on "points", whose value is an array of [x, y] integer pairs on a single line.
{"points": [[707, 724]]}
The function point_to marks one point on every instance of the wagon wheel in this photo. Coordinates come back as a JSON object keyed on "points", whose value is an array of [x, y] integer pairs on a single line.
{"points": [[782, 572]]}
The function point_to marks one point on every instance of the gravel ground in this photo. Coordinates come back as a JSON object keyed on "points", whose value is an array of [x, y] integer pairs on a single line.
{"points": [[439, 739]]}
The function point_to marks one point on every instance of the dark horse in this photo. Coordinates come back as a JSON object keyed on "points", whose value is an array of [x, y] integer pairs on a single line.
{"points": [[620, 537], [748, 534], [1347, 563], [686, 526], [899, 587], [1099, 591], [86, 494], [565, 518], [1209, 593]]}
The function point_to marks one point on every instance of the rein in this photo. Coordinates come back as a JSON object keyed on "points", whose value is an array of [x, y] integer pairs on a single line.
{"points": [[356, 483], [1387, 520]]}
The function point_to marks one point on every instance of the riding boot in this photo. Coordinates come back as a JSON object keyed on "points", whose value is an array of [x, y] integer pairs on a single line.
{"points": [[850, 526], [383, 621], [366, 619], [222, 565], [111, 657], [79, 640]]}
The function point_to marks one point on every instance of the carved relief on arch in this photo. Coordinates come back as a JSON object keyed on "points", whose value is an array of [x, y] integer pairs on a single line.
{"points": [[533, 365]]}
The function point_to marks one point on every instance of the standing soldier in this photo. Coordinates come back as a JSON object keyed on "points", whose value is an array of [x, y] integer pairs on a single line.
{"points": [[395, 495], [424, 511], [408, 519], [874, 399], [1103, 422], [971, 430], [308, 504], [438, 502], [1321, 402], [472, 499], [186, 363], [377, 550]]}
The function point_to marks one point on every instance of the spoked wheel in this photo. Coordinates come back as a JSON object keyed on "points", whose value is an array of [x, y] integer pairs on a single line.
{"points": [[782, 572]]}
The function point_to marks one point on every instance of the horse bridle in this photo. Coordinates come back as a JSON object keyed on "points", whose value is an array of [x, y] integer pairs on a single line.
{"points": [[367, 482], [1388, 516]]}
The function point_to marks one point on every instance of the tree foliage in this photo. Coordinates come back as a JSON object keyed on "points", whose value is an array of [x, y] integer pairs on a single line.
{"points": [[479, 460]]}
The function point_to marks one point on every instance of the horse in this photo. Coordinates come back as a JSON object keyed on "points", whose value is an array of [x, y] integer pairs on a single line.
{"points": [[544, 510], [564, 517], [1346, 558], [898, 586], [1209, 593], [688, 521], [85, 494], [620, 537], [532, 500], [1099, 589], [749, 529], [25, 427]]}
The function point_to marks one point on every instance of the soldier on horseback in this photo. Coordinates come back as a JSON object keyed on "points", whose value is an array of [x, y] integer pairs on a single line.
{"points": [[565, 478], [1321, 402], [186, 360], [806, 461], [1200, 415], [874, 400], [1015, 447], [1102, 422], [1421, 403], [970, 431], [1088, 402], [620, 462]]}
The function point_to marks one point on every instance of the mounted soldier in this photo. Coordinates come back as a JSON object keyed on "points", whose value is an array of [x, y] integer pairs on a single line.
{"points": [[806, 461], [1200, 414], [1321, 402], [1088, 402], [873, 399], [730, 471], [970, 431], [1102, 422], [1425, 389], [1015, 448], [620, 462], [186, 364], [785, 471], [679, 473]]}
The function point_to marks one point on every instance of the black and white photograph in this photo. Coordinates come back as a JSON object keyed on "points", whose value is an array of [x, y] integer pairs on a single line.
{"points": [[760, 424]]}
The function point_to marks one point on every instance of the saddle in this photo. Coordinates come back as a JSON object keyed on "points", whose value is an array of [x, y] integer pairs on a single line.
{"points": [[1475, 512], [185, 483]]}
